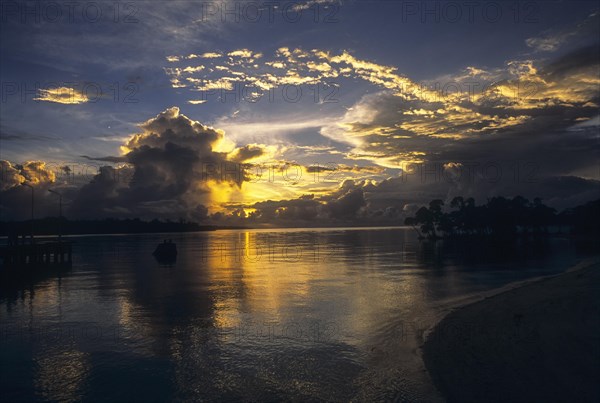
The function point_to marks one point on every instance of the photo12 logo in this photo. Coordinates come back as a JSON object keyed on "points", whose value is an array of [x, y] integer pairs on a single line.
{"points": [[68, 12], [452, 12], [270, 11], [69, 92], [470, 172]]}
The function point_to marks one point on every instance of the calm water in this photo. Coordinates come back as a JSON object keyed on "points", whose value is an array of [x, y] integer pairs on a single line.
{"points": [[328, 314]]}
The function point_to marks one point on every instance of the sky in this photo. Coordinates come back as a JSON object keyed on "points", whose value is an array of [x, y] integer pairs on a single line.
{"points": [[314, 112]]}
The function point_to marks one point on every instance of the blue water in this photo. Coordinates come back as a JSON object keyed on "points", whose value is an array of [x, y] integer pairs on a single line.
{"points": [[314, 314]]}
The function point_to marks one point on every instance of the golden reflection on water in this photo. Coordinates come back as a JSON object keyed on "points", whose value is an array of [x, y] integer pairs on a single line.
{"points": [[60, 375], [241, 311], [274, 278]]}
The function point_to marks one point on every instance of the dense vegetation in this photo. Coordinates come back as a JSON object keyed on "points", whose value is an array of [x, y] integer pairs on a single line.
{"points": [[502, 217]]}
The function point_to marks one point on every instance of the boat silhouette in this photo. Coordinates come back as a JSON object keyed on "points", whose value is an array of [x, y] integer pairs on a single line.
{"points": [[165, 251]]}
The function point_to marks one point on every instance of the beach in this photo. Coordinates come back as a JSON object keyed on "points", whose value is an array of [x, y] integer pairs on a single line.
{"points": [[538, 342]]}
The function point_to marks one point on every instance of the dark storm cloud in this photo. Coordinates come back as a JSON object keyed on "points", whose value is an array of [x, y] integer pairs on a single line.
{"points": [[346, 204], [305, 208], [167, 173]]}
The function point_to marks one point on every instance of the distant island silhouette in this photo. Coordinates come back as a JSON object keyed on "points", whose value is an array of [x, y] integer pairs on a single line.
{"points": [[51, 225]]}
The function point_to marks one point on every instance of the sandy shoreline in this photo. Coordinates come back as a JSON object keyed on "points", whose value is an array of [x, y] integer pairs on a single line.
{"points": [[537, 342]]}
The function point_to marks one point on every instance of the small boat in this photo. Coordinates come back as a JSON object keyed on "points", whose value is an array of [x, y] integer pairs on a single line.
{"points": [[166, 251]]}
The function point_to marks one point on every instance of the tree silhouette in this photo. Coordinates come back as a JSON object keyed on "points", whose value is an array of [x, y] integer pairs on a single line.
{"points": [[502, 217]]}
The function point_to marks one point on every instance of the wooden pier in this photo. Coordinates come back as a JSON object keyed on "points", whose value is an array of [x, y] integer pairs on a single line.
{"points": [[36, 255]]}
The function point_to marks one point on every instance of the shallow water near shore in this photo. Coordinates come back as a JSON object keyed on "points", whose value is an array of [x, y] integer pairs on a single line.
{"points": [[300, 314]]}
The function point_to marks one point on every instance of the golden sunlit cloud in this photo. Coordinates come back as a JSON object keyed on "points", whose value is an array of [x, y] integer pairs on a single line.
{"points": [[62, 95], [210, 55], [446, 108], [11, 176], [245, 53], [30, 172]]}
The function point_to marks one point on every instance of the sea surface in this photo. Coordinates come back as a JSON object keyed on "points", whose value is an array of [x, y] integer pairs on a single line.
{"points": [[251, 315]]}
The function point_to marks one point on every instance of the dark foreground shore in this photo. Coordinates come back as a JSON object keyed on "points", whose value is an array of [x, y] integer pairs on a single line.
{"points": [[536, 343]]}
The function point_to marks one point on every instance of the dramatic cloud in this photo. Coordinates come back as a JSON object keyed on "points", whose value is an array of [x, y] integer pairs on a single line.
{"points": [[174, 169], [531, 108]]}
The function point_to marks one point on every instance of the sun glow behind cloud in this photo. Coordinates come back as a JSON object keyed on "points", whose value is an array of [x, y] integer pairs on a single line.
{"points": [[383, 119]]}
